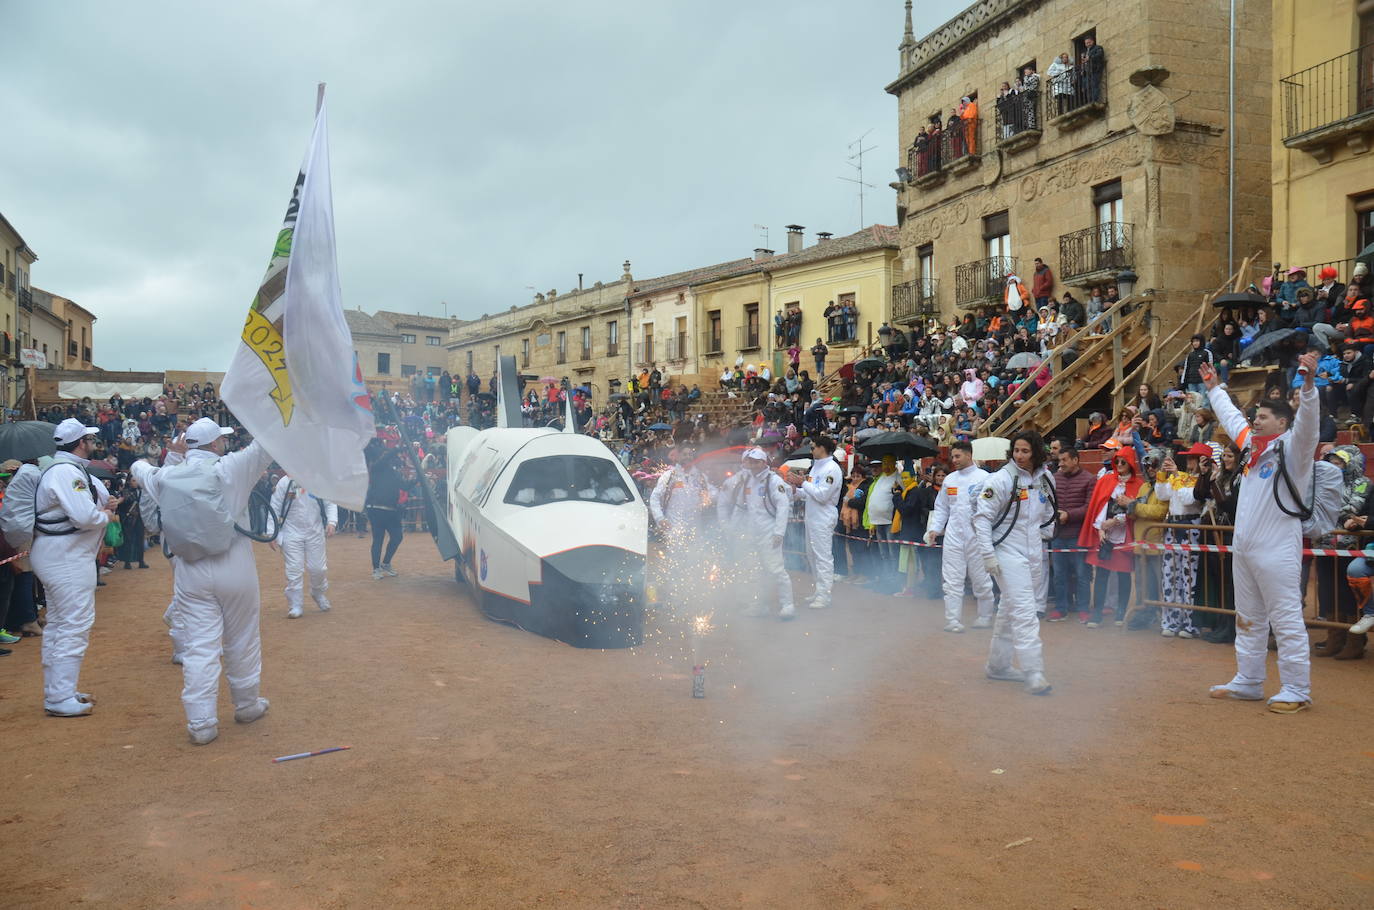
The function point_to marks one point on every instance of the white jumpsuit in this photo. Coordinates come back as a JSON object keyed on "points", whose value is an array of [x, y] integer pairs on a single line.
{"points": [[218, 599], [170, 616], [821, 492], [1017, 630], [1045, 499], [302, 541], [1267, 550], [960, 558], [755, 509], [66, 565], [679, 498]]}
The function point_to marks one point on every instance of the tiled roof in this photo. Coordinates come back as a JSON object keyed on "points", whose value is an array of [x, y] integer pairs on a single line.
{"points": [[415, 319], [359, 323], [874, 237]]}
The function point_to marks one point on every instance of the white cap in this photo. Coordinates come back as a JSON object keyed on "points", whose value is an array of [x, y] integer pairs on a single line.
{"points": [[755, 453], [205, 431], [71, 430]]}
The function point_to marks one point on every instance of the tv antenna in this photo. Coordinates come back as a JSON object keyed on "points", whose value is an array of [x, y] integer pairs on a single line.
{"points": [[856, 161], [764, 229]]}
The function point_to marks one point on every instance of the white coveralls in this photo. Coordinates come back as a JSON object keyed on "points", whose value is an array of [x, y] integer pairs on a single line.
{"points": [[302, 541], [217, 598], [756, 508], [821, 492], [1017, 630], [1046, 500], [66, 565], [1266, 549], [679, 498], [961, 558]]}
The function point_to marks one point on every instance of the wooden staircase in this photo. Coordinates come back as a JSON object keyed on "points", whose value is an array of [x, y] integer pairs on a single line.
{"points": [[1104, 360]]}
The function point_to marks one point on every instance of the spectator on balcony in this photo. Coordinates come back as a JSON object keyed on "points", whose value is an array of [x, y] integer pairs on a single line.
{"points": [[779, 330], [968, 115], [1094, 68], [920, 149], [1006, 111], [954, 135], [1029, 98], [819, 352], [936, 138], [832, 322], [794, 321], [851, 320], [1042, 281], [1061, 83]]}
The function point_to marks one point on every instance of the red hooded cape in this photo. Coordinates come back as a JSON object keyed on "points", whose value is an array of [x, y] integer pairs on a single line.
{"points": [[1089, 537]]}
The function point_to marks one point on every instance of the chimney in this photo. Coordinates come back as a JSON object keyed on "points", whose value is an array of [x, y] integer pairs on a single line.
{"points": [[794, 238], [762, 255], [823, 237]]}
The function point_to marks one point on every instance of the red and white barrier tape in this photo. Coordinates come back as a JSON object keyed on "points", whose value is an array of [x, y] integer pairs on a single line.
{"points": [[1143, 546]]}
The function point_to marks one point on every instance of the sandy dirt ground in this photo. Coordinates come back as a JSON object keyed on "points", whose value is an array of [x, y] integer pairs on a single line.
{"points": [[855, 757]]}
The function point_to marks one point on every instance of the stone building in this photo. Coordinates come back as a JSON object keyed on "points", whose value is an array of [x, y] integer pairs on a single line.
{"points": [[1323, 128], [1118, 161], [46, 328], [80, 333], [581, 335], [16, 259], [377, 345], [424, 342]]}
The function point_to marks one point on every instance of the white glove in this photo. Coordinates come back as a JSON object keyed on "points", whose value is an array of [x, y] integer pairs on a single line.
{"points": [[930, 538], [992, 565]]}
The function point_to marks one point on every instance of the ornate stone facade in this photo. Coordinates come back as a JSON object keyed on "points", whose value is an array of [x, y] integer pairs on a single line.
{"points": [[1147, 129]]}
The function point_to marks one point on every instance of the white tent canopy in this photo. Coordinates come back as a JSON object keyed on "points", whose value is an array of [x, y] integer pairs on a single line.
{"points": [[101, 391]]}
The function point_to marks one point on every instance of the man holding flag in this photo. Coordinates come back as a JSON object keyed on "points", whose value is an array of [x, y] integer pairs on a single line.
{"points": [[294, 384]]}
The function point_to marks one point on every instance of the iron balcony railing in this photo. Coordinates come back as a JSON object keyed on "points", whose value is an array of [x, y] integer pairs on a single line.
{"points": [[1079, 88], [913, 301], [1016, 114], [562, 355], [644, 352], [677, 347], [959, 141], [1329, 93], [1343, 269], [73, 349], [26, 298], [983, 280], [711, 343], [612, 349], [86, 355], [586, 352], [1100, 248], [748, 338], [923, 158]]}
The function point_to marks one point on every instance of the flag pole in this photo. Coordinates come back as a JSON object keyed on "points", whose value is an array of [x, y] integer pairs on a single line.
{"points": [[319, 98]]}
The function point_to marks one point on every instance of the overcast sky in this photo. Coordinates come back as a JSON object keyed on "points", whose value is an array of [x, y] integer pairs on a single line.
{"points": [[149, 148]]}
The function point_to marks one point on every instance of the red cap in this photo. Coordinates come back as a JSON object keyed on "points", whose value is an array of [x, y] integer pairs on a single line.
{"points": [[1200, 449]]}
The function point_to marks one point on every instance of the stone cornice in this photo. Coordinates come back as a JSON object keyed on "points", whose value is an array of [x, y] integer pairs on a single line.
{"points": [[982, 19]]}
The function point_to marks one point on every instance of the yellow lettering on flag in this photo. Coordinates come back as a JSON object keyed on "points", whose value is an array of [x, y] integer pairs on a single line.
{"points": [[263, 338]]}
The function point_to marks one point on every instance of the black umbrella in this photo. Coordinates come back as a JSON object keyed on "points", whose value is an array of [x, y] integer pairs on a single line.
{"points": [[853, 409], [803, 452], [26, 440], [1244, 298], [619, 396], [899, 445], [99, 471], [1266, 341], [870, 363]]}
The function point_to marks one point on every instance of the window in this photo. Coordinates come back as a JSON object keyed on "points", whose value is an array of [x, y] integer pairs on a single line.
{"points": [[586, 342], [646, 353], [925, 269], [612, 338], [432, 371], [571, 478], [997, 235], [714, 334], [407, 369], [1364, 224], [383, 364], [407, 339], [524, 352], [1107, 202], [680, 337], [562, 347], [432, 340], [751, 325], [469, 362]]}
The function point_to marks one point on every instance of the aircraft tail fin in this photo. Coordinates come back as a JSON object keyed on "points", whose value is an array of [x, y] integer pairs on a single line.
{"points": [[507, 393]]}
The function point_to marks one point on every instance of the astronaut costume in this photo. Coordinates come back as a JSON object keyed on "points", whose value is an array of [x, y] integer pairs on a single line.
{"points": [[1006, 526], [755, 506], [1267, 553], [217, 596], [678, 499], [67, 498], [303, 531], [821, 492], [960, 558]]}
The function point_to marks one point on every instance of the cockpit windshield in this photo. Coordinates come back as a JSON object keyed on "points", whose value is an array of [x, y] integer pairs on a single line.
{"points": [[567, 478]]}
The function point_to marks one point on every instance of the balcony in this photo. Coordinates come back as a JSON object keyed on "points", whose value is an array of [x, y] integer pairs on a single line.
{"points": [[748, 337], [915, 300], [1330, 103], [10, 281], [677, 347], [711, 342], [644, 353], [73, 349], [1076, 97], [1018, 121], [1094, 255], [612, 349], [1343, 269], [26, 299], [86, 355], [586, 352], [982, 281], [562, 356], [959, 146]]}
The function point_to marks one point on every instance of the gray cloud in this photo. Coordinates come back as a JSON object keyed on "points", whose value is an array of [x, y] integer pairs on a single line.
{"points": [[476, 150]]}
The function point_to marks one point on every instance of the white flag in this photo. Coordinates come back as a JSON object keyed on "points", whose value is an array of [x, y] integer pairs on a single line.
{"points": [[294, 382]]}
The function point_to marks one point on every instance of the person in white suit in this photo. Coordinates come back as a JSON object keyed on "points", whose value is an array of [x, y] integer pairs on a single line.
{"points": [[306, 521]]}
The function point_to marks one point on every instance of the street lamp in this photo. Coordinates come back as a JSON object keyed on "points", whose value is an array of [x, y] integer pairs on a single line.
{"points": [[1125, 282]]}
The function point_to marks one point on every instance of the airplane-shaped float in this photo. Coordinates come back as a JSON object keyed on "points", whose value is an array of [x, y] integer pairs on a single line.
{"points": [[547, 527]]}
